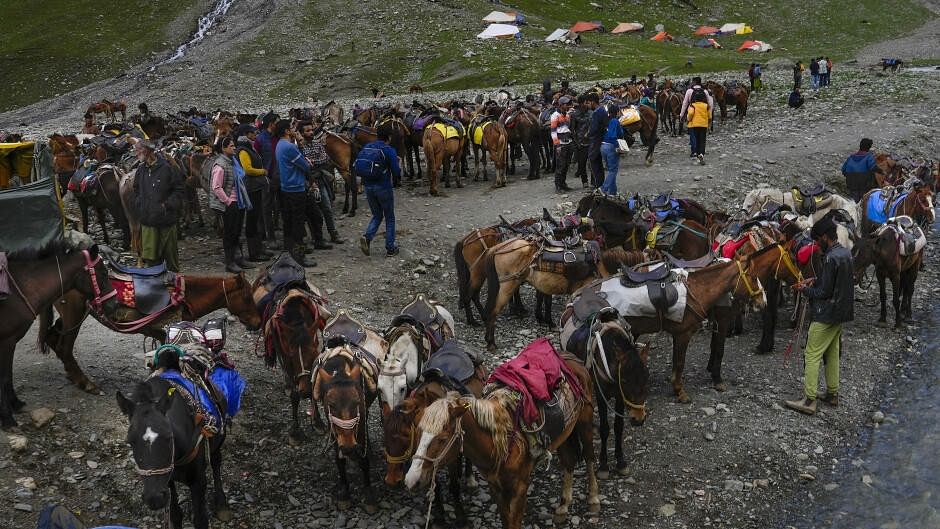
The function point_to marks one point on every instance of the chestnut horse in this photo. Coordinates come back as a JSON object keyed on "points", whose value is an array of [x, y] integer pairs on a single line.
{"points": [[917, 204], [647, 127], [523, 130], [38, 279], [340, 151], [738, 97], [486, 432], [883, 250], [65, 158], [495, 141], [717, 91], [440, 151]]}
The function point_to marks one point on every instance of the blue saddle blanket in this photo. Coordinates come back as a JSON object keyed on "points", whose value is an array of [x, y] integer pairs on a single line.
{"points": [[228, 381], [672, 211], [877, 211]]}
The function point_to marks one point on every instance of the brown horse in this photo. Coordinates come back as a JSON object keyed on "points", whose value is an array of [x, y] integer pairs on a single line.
{"points": [[340, 150], [647, 127], [101, 107], [917, 204], [683, 238], [204, 294], [105, 196], [65, 158], [441, 151], [38, 279], [891, 171], [737, 96], [717, 91], [672, 110], [522, 129], [495, 141], [883, 250], [485, 431], [222, 126]]}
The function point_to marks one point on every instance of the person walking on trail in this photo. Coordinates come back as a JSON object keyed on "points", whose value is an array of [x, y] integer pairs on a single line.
{"points": [[831, 297], [562, 142], [797, 75], [256, 181], [377, 164], [596, 132], [699, 92], [609, 147], [580, 126], [264, 145], [823, 72], [829, 70], [293, 169], [321, 181], [698, 114], [158, 197], [796, 99], [230, 198], [859, 171], [757, 83], [814, 73]]}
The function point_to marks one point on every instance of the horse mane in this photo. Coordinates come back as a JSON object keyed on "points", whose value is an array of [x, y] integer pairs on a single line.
{"points": [[492, 414], [633, 372], [437, 414]]}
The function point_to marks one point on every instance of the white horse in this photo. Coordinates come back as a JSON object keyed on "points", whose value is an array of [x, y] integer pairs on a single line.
{"points": [[756, 199], [410, 343]]}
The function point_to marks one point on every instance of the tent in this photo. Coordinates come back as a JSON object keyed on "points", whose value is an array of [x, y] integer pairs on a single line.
{"points": [[745, 29], [706, 30], [500, 31], [17, 163], [755, 45], [626, 27], [581, 26], [707, 43], [561, 34], [731, 28], [662, 36], [501, 17]]}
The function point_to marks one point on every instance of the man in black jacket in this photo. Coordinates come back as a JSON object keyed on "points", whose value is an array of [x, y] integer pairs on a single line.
{"points": [[580, 125], [831, 301], [158, 197]]}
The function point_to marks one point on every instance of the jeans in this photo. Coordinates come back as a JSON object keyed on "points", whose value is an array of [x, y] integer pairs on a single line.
{"points": [[815, 80], [692, 146], [563, 159], [698, 134], [382, 205], [612, 159], [326, 208]]}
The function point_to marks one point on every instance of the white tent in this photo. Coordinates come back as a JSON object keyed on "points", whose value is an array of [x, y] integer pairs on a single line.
{"points": [[500, 31], [500, 17], [558, 34], [731, 28]]}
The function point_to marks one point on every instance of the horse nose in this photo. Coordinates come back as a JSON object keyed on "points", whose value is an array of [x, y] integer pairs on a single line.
{"points": [[156, 501], [393, 477]]}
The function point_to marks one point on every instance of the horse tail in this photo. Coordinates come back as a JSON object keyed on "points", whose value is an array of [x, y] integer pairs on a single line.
{"points": [[463, 275], [492, 283]]}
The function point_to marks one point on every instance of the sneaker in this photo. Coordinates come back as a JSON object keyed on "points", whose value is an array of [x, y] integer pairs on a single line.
{"points": [[701, 159], [391, 253], [804, 405], [320, 245], [364, 245]]}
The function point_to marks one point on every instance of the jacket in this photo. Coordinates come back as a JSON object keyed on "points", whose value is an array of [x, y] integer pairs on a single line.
{"points": [[292, 167], [698, 115], [814, 67], [614, 131], [687, 100], [581, 125], [252, 164], [832, 297], [859, 170], [264, 145], [561, 128], [222, 183], [598, 128], [392, 169], [158, 193]]}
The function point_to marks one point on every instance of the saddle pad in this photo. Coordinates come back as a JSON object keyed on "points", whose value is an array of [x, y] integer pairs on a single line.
{"points": [[422, 121], [451, 360], [729, 248], [478, 132], [231, 384], [911, 240], [125, 292], [629, 116], [447, 131], [635, 301], [203, 397], [877, 210]]}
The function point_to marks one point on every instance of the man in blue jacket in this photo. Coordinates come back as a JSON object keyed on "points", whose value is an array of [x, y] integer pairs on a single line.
{"points": [[264, 145], [377, 163], [293, 169], [596, 131], [859, 170]]}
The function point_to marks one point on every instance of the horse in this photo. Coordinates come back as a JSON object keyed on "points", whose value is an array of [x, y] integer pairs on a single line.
{"points": [[65, 158], [490, 438], [738, 96], [717, 91], [757, 199], [203, 294], [38, 280], [647, 127], [440, 150], [344, 383], [331, 114], [682, 238], [101, 107], [672, 110], [522, 129], [339, 149], [104, 196], [493, 140], [916, 203], [412, 337], [545, 145], [883, 250], [619, 370], [168, 447]]}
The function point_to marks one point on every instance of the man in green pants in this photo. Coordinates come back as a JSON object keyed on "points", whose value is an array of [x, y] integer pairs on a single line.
{"points": [[830, 297], [158, 196]]}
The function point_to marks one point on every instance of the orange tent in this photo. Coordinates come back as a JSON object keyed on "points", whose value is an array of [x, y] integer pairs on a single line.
{"points": [[581, 27], [662, 36], [706, 30]]}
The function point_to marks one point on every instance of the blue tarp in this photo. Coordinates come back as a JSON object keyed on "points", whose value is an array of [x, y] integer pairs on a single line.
{"points": [[229, 382], [876, 207]]}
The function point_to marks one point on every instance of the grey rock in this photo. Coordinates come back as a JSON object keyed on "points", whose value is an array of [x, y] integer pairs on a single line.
{"points": [[25, 507], [734, 485], [878, 417]]}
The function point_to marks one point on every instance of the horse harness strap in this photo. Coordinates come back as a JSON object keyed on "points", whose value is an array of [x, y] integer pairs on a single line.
{"points": [[397, 460]]}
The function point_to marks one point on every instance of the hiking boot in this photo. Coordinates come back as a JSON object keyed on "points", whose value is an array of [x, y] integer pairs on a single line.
{"points": [[240, 261], [336, 239], [300, 256], [804, 405], [256, 251], [830, 399], [364, 245], [230, 264], [391, 253], [321, 245]]}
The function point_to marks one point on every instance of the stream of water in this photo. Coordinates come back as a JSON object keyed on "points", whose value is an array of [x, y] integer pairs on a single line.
{"points": [[206, 22]]}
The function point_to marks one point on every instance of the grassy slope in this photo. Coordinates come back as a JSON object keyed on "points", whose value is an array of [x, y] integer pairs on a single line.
{"points": [[51, 46]]}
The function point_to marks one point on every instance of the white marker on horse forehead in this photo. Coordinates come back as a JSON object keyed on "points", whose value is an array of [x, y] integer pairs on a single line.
{"points": [[150, 436]]}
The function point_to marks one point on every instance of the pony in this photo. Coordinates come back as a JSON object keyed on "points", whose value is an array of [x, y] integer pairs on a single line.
{"points": [[495, 141], [203, 294], [882, 249], [163, 425], [339, 149], [38, 280], [65, 158], [738, 96], [916, 203], [485, 431], [105, 196], [647, 127], [757, 199], [522, 129], [718, 92], [440, 150]]}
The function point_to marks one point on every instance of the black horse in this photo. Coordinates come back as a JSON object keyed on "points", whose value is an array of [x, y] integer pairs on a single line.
{"points": [[169, 447]]}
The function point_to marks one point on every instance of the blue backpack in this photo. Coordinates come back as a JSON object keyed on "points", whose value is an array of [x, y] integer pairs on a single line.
{"points": [[371, 164]]}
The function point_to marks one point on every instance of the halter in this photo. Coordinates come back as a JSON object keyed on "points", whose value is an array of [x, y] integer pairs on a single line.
{"points": [[787, 261], [409, 452], [421, 342], [742, 278], [457, 435], [148, 472], [603, 354], [96, 303]]}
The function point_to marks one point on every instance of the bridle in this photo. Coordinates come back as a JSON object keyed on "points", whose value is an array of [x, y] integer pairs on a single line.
{"points": [[787, 261], [592, 364], [96, 303], [752, 292], [409, 452]]}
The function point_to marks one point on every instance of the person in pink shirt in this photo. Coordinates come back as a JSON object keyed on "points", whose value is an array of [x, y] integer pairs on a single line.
{"points": [[229, 198]]}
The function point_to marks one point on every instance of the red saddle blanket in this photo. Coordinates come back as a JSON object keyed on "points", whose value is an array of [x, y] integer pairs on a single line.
{"points": [[729, 248], [535, 373], [804, 254]]}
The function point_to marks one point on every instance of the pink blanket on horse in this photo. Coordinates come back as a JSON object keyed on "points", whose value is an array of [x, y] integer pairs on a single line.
{"points": [[535, 373]]}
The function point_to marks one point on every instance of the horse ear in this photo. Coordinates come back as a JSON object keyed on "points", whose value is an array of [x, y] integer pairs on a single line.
{"points": [[125, 404], [318, 382], [458, 410], [644, 350]]}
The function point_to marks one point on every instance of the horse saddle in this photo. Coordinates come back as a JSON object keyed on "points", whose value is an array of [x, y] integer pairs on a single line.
{"points": [[660, 282], [509, 117], [448, 131], [911, 237], [701, 262], [663, 236], [284, 272], [346, 327], [84, 178], [664, 207], [569, 251], [811, 200], [553, 414], [588, 303], [451, 365], [422, 312], [151, 286]]}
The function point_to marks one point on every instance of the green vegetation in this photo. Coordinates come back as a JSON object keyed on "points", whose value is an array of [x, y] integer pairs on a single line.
{"points": [[48, 47]]}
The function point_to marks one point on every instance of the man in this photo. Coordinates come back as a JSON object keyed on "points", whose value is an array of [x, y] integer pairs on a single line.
{"points": [[700, 94], [321, 181], [831, 300], [698, 113], [293, 169], [814, 73], [596, 131], [158, 197], [580, 125], [796, 99], [145, 115], [377, 164], [264, 145], [561, 141], [651, 82], [90, 127], [823, 72], [829, 68], [256, 181], [750, 75], [859, 170], [797, 75]]}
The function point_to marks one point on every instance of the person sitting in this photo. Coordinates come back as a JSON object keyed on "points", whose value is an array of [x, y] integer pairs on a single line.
{"points": [[796, 99], [647, 99], [90, 127]]}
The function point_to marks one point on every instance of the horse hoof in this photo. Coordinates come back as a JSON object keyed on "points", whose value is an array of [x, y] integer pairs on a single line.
{"points": [[683, 397], [603, 474], [295, 439], [649, 162], [472, 482], [223, 514], [721, 387], [559, 519], [491, 348], [594, 508], [623, 470]]}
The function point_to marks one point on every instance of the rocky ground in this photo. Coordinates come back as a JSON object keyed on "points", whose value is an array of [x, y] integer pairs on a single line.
{"points": [[734, 459]]}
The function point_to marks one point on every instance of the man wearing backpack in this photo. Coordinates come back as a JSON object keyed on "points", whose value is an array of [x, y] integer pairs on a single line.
{"points": [[377, 163], [697, 94]]}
